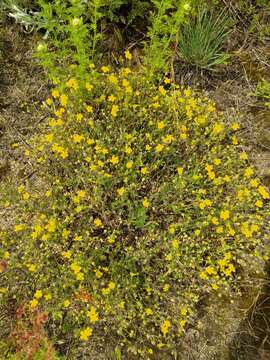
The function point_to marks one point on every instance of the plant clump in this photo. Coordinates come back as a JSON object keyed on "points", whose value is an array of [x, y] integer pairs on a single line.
{"points": [[201, 40], [148, 204]]}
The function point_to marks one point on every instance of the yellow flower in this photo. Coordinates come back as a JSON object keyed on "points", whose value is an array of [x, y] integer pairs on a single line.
{"points": [[126, 71], [204, 203], [55, 93], [218, 128], [166, 287], [144, 170], [254, 183], [111, 98], [128, 55], [49, 101], [49, 138], [121, 191], [66, 303], [171, 228], [65, 233], [262, 191], [48, 297], [224, 214], [38, 294], [114, 160], [77, 138], [32, 267], [111, 285], [79, 117], [75, 267], [243, 156], [162, 90], [20, 189], [90, 141], [146, 203], [125, 83], [98, 274], [66, 254], [167, 139], [63, 100], [98, 223], [113, 79], [92, 314], [211, 175], [51, 226], [26, 196], [183, 136], [114, 111], [175, 244], [86, 333], [183, 311], [210, 270], [222, 263], [148, 311], [159, 147], [33, 303], [248, 172], [161, 125], [180, 170], [80, 276], [182, 323], [219, 230], [165, 327], [129, 164], [259, 203], [203, 275], [217, 161], [105, 69], [235, 126], [88, 87], [72, 83], [111, 239]]}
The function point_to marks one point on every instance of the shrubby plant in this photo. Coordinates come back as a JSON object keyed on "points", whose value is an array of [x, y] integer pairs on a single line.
{"points": [[147, 204]]}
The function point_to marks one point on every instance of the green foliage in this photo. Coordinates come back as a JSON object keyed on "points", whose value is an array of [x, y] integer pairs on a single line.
{"points": [[202, 39], [54, 15], [163, 32], [263, 91], [69, 35]]}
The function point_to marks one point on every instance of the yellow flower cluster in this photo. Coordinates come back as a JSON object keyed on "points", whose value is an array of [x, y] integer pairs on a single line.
{"points": [[145, 196]]}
